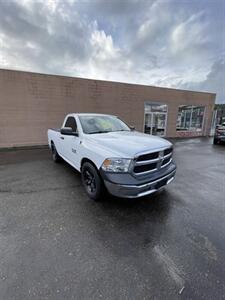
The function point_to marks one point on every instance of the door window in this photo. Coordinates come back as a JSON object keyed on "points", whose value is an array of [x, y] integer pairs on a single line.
{"points": [[148, 123], [158, 124], [155, 118], [71, 122]]}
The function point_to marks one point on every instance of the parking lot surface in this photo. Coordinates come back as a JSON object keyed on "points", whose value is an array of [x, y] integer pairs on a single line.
{"points": [[55, 243]]}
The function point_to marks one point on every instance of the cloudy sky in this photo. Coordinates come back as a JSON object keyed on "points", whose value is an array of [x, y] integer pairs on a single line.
{"points": [[179, 44]]}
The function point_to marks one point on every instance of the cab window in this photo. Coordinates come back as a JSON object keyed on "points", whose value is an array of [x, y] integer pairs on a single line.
{"points": [[71, 122]]}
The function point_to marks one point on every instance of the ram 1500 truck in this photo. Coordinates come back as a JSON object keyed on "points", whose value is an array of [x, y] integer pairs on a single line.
{"points": [[112, 156]]}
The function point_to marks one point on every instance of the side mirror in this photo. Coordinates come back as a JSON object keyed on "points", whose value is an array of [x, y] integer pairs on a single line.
{"points": [[68, 131], [132, 128]]}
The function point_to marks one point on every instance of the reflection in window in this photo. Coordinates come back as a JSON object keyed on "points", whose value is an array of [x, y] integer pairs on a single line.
{"points": [[151, 107], [190, 118], [155, 118], [148, 122]]}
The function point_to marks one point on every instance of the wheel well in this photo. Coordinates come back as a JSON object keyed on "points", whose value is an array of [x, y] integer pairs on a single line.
{"points": [[87, 160]]}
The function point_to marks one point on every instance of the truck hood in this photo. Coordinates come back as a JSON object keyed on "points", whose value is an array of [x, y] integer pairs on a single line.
{"points": [[127, 143]]}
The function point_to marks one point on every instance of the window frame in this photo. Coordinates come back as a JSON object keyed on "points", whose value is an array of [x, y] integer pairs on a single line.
{"points": [[166, 112], [74, 121]]}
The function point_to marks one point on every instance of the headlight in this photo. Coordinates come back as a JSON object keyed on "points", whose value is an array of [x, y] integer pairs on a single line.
{"points": [[116, 165]]}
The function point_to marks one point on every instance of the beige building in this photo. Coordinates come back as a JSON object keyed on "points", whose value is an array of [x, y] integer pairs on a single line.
{"points": [[30, 103]]}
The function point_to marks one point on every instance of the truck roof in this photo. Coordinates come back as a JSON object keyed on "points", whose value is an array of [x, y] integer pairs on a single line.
{"points": [[90, 114]]}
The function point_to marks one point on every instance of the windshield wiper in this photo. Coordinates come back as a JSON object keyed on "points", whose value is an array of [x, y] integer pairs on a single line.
{"points": [[100, 131], [105, 131], [122, 130]]}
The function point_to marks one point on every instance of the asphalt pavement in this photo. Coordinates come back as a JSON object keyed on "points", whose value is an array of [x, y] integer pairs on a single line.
{"points": [[56, 243]]}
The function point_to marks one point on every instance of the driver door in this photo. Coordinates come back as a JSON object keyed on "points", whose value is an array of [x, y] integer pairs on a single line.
{"points": [[71, 143]]}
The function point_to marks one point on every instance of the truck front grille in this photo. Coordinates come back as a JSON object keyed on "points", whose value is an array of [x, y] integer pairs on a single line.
{"points": [[168, 151], [166, 160], [148, 156], [153, 161], [144, 168]]}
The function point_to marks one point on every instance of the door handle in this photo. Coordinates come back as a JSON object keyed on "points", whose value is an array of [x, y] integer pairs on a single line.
{"points": [[62, 137]]}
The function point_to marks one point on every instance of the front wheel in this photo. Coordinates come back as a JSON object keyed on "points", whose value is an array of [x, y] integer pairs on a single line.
{"points": [[92, 182]]}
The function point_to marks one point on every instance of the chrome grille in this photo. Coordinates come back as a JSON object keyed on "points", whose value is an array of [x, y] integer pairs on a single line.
{"points": [[148, 156], [149, 162], [144, 168]]}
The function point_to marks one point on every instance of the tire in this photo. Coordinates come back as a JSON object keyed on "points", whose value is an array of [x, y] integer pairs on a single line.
{"points": [[55, 156], [215, 141], [92, 182]]}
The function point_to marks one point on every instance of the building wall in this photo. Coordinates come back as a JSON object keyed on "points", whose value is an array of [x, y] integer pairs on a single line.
{"points": [[30, 103]]}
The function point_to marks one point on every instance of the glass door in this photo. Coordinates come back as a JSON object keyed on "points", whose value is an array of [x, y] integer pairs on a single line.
{"points": [[158, 124], [148, 123], [155, 119]]}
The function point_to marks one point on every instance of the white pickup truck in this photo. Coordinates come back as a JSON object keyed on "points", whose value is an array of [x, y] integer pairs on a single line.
{"points": [[112, 156]]}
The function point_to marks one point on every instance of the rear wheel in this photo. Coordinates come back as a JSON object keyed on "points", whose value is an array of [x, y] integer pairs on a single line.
{"points": [[55, 156], [92, 182]]}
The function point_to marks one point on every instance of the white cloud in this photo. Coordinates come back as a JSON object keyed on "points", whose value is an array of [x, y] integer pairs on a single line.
{"points": [[103, 46], [214, 81], [189, 34]]}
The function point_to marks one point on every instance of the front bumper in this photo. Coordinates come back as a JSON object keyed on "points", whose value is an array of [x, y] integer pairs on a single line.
{"points": [[140, 189]]}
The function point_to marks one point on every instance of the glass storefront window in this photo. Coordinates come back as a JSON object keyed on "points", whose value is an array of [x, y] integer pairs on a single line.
{"points": [[197, 118], [190, 118]]}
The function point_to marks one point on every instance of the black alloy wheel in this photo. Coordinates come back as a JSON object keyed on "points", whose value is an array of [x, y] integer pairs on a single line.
{"points": [[92, 182]]}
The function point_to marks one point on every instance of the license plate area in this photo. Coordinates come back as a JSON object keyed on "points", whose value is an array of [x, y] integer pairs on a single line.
{"points": [[161, 183]]}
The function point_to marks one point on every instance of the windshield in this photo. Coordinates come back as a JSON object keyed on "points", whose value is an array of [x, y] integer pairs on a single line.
{"points": [[100, 124]]}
